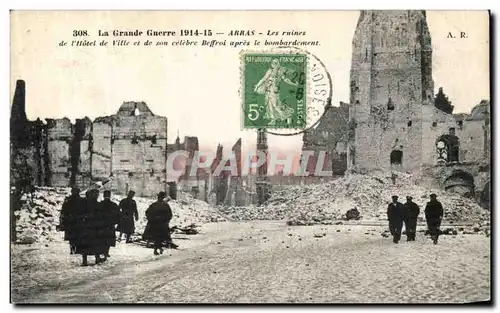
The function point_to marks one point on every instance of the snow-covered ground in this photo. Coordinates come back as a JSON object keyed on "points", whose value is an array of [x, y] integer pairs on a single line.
{"points": [[263, 261]]}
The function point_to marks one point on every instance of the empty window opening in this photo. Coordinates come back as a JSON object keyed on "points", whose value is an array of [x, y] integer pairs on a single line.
{"points": [[460, 123], [452, 131], [409, 123], [136, 111], [130, 174], [453, 154], [153, 140], [357, 101], [434, 124], [396, 157], [448, 148], [390, 105]]}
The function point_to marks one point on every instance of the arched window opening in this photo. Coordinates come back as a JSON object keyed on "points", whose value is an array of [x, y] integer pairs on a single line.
{"points": [[390, 105], [396, 157], [448, 148]]}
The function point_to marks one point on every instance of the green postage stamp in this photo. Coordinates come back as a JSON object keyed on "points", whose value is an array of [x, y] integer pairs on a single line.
{"points": [[274, 90]]}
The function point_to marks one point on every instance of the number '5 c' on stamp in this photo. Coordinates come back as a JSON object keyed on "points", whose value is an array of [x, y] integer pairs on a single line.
{"points": [[274, 90]]}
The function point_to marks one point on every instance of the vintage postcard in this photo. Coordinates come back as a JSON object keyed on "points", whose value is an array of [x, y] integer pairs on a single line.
{"points": [[250, 157]]}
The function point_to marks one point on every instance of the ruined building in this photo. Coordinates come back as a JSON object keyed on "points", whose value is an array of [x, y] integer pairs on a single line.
{"points": [[395, 122], [396, 119], [331, 136], [129, 149], [398, 124]]}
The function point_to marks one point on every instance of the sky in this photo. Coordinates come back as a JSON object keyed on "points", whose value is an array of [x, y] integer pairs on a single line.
{"points": [[197, 88]]}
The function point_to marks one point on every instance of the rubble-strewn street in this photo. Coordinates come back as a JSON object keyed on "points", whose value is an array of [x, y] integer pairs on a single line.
{"points": [[267, 261], [299, 205], [263, 262]]}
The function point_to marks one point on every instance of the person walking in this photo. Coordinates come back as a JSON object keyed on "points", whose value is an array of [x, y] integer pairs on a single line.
{"points": [[110, 214], [157, 229], [128, 211], [71, 207], [395, 216], [434, 215], [411, 212], [89, 221]]}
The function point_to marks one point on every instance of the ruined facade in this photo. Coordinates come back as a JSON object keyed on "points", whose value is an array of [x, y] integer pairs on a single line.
{"points": [[393, 121], [331, 136], [398, 123], [128, 149], [391, 83]]}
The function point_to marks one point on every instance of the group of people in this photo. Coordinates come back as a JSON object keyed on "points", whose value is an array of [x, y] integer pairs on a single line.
{"points": [[90, 226], [407, 214]]}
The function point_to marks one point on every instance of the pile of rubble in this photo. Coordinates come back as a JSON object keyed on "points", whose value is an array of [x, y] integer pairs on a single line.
{"points": [[354, 196], [38, 217]]}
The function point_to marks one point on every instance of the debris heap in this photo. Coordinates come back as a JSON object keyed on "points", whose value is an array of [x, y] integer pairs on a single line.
{"points": [[354, 196], [38, 216]]}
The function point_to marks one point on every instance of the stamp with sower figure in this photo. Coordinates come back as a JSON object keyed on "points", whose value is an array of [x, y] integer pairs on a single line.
{"points": [[285, 90], [274, 90]]}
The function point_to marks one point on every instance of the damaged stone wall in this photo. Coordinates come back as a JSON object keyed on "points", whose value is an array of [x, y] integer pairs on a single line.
{"points": [[139, 145], [396, 121], [471, 180], [130, 148], [330, 136], [26, 144], [390, 81], [102, 147], [59, 137], [82, 155], [472, 130]]}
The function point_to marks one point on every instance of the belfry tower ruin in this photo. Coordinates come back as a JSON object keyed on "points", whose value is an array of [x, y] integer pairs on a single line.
{"points": [[391, 80]]}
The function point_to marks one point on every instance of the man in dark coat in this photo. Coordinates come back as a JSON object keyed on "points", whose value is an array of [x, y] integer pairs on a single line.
{"points": [[90, 228], [67, 220], [395, 216], [111, 214], [157, 230], [411, 212], [128, 211], [434, 214]]}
